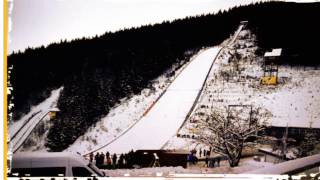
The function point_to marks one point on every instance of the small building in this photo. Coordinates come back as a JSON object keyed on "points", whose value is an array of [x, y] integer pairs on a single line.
{"points": [[270, 67], [53, 113]]}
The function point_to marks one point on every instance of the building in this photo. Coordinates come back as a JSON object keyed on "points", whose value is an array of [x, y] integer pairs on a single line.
{"points": [[270, 75], [53, 113]]}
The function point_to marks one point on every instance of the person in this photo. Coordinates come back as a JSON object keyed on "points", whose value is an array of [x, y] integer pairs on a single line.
{"points": [[121, 161], [207, 160], [156, 162], [213, 161], [96, 157], [114, 160], [190, 158], [204, 152], [209, 153], [200, 152], [109, 161], [125, 160], [91, 157], [195, 160], [218, 161], [101, 159]]}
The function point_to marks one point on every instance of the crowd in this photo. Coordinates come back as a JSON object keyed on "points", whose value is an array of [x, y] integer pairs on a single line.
{"points": [[109, 161], [128, 160]]}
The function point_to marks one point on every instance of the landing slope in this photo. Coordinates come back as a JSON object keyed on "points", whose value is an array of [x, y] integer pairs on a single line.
{"points": [[167, 115]]}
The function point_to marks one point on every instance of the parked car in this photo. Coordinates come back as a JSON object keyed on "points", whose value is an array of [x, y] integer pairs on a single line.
{"points": [[52, 164]]}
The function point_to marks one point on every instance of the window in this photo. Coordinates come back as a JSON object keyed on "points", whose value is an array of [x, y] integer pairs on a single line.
{"points": [[36, 172], [81, 172]]}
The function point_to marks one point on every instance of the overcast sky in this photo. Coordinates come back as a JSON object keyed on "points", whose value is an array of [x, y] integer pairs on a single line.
{"points": [[40, 22]]}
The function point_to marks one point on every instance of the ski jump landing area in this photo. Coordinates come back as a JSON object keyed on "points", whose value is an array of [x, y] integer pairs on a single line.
{"points": [[170, 111]]}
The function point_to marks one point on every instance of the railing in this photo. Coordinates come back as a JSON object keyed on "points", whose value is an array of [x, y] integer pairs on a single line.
{"points": [[291, 167], [25, 134]]}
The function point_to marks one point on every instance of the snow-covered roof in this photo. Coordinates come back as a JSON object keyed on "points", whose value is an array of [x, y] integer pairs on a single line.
{"points": [[55, 109], [244, 22], [273, 53]]}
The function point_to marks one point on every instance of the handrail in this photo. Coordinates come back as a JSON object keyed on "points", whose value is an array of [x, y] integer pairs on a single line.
{"points": [[19, 141], [290, 167], [24, 123]]}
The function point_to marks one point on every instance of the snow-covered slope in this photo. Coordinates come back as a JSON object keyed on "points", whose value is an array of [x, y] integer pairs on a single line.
{"points": [[125, 115], [235, 80], [163, 120], [20, 130]]}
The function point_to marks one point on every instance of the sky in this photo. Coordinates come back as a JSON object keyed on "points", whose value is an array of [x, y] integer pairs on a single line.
{"points": [[40, 22], [34, 23]]}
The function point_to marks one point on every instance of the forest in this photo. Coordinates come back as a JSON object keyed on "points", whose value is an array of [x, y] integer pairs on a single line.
{"points": [[97, 72]]}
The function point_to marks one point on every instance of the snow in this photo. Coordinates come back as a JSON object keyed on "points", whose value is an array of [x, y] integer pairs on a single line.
{"points": [[124, 116], [167, 115], [146, 122], [274, 52], [21, 129], [50, 102], [246, 164], [295, 101]]}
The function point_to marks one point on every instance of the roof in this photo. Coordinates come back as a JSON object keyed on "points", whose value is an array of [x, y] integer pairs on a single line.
{"points": [[243, 22], [54, 109], [273, 53], [46, 159]]}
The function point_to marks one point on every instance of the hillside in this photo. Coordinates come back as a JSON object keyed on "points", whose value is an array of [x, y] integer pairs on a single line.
{"points": [[97, 73], [235, 81]]}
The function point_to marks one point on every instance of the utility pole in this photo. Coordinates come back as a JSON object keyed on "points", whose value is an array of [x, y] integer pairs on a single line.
{"points": [[284, 144]]}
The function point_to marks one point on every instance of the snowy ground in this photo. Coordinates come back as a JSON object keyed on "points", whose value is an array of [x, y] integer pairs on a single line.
{"points": [[246, 164]]}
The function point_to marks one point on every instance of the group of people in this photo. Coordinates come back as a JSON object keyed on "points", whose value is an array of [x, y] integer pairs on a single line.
{"points": [[210, 162], [205, 152], [109, 161]]}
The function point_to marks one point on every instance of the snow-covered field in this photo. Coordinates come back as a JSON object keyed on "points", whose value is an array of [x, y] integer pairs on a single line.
{"points": [[246, 164]]}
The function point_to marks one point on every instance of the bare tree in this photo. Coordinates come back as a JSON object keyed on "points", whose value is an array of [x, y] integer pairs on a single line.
{"points": [[228, 130]]}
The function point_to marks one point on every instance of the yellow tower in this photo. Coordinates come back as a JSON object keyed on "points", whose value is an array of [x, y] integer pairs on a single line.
{"points": [[270, 67]]}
